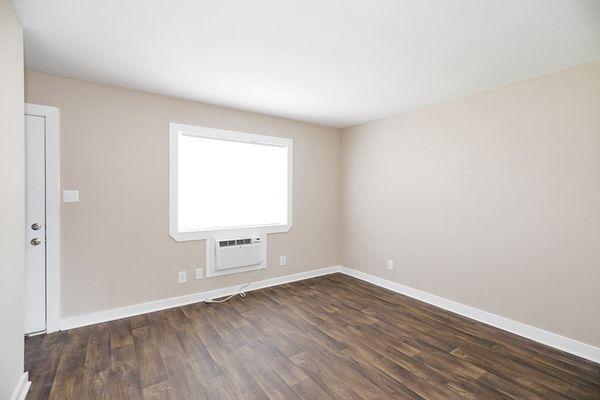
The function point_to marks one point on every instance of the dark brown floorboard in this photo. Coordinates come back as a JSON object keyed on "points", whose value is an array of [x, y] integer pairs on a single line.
{"points": [[331, 337]]}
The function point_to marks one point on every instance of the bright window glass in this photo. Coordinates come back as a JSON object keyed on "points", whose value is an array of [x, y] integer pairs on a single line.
{"points": [[227, 184]]}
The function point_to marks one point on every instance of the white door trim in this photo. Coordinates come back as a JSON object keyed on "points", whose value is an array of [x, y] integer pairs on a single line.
{"points": [[20, 392], [52, 116]]}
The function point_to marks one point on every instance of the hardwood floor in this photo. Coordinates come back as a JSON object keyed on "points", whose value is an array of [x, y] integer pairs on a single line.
{"points": [[331, 337]]}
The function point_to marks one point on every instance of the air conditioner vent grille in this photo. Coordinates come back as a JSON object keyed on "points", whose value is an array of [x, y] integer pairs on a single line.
{"points": [[237, 242]]}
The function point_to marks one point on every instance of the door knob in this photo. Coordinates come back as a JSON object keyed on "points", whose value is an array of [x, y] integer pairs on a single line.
{"points": [[36, 226], [35, 241]]}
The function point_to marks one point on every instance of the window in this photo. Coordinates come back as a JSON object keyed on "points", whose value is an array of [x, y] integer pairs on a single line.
{"points": [[223, 181]]}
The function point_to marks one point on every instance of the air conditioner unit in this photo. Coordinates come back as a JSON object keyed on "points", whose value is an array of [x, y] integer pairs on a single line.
{"points": [[229, 255]]}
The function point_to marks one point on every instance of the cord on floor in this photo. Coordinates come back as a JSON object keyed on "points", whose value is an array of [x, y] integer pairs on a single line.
{"points": [[240, 292]]}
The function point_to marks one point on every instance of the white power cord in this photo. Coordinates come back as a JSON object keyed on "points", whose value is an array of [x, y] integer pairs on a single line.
{"points": [[241, 291]]}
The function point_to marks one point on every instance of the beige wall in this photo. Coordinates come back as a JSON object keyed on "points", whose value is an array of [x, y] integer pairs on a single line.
{"points": [[116, 248], [489, 200], [492, 200], [12, 200]]}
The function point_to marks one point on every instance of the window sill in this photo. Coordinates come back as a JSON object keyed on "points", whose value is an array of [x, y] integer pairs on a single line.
{"points": [[185, 236]]}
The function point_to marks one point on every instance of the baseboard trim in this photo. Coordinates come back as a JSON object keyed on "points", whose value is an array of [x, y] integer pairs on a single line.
{"points": [[22, 387], [559, 342], [163, 304], [565, 344]]}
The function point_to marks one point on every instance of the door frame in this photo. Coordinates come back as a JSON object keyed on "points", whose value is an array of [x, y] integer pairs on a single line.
{"points": [[52, 122]]}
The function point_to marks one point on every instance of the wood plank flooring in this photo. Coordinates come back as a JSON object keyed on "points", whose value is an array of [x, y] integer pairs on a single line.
{"points": [[331, 337]]}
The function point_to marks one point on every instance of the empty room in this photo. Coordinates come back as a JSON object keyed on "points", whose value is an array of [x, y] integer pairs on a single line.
{"points": [[285, 199]]}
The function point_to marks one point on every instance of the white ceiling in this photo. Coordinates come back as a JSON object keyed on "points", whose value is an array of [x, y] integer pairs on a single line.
{"points": [[331, 62]]}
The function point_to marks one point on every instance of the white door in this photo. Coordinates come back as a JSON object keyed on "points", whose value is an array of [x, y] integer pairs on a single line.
{"points": [[35, 254]]}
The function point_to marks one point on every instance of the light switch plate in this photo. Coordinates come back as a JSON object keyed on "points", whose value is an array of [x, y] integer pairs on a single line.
{"points": [[71, 196]]}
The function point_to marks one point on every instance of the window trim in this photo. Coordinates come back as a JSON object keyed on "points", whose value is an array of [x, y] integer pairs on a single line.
{"points": [[175, 129]]}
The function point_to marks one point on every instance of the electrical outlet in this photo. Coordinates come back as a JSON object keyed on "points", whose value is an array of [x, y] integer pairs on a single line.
{"points": [[283, 260], [390, 265], [198, 273], [182, 276]]}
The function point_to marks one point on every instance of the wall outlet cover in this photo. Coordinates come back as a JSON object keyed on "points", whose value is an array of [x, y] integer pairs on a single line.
{"points": [[283, 260], [182, 276], [390, 265], [199, 273]]}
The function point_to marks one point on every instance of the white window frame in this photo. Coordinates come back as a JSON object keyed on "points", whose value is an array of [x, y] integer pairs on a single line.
{"points": [[176, 129]]}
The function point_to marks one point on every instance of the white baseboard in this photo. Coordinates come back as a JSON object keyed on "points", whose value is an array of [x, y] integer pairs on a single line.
{"points": [[539, 335], [157, 305], [22, 388], [518, 328]]}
